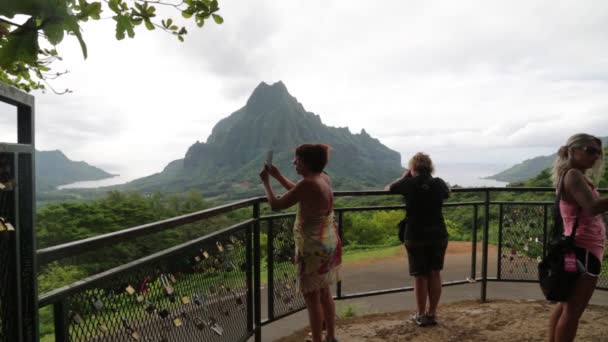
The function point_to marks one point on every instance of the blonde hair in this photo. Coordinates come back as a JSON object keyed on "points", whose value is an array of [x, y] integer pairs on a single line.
{"points": [[562, 162], [422, 163]]}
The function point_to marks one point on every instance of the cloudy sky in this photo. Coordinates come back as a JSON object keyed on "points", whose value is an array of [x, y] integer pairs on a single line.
{"points": [[467, 81]]}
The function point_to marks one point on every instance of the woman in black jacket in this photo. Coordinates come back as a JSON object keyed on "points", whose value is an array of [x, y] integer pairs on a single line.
{"points": [[425, 235]]}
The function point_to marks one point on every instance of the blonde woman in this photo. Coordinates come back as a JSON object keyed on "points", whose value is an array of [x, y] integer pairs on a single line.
{"points": [[426, 236], [581, 164]]}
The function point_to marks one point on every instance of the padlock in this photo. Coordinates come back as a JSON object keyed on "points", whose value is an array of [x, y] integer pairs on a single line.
{"points": [[206, 255], [144, 287], [197, 300], [103, 327], [98, 305], [186, 300], [150, 308], [164, 313], [169, 290], [135, 335], [199, 323], [5, 225], [77, 318], [140, 298], [130, 290], [178, 322], [219, 246], [217, 328]]}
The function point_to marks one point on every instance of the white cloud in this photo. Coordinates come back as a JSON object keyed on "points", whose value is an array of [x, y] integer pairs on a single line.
{"points": [[468, 81]]}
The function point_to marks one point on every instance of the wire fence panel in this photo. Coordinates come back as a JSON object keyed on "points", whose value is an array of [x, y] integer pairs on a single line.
{"points": [[522, 241], [195, 293], [286, 297]]}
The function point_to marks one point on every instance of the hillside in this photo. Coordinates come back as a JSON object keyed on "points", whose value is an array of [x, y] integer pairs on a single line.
{"points": [[53, 168], [529, 168], [544, 178], [229, 161]]}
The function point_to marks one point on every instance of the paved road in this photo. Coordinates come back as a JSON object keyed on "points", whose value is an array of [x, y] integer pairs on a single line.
{"points": [[392, 273]]}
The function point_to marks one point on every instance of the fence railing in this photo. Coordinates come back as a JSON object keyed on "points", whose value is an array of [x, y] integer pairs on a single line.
{"points": [[225, 287]]}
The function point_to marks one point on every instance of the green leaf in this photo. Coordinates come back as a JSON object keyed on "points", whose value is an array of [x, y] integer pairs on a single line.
{"points": [[200, 20], [149, 24], [72, 24], [114, 6], [214, 6], [54, 32], [169, 22], [173, 28], [123, 25], [218, 19], [181, 39], [94, 10], [186, 14], [21, 47]]}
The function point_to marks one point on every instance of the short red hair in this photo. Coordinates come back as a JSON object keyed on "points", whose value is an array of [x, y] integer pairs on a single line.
{"points": [[315, 156]]}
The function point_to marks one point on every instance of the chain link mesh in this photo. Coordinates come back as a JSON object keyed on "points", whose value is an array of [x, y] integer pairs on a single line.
{"points": [[522, 241], [287, 298], [198, 293]]}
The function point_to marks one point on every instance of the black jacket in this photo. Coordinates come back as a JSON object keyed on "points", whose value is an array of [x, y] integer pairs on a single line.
{"points": [[424, 196]]}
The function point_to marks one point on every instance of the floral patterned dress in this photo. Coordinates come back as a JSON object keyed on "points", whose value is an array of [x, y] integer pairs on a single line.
{"points": [[318, 253]]}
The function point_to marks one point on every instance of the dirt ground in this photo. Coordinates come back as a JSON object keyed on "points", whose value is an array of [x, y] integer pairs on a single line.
{"points": [[496, 321]]}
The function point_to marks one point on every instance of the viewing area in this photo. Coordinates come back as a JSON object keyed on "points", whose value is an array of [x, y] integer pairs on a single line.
{"points": [[228, 285]]}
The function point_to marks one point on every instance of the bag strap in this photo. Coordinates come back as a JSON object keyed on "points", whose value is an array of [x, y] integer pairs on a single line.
{"points": [[557, 213]]}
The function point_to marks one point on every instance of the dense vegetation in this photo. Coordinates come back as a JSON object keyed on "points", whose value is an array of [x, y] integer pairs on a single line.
{"points": [[63, 222]]}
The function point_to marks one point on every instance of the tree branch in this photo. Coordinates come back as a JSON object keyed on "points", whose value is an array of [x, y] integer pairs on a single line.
{"points": [[9, 22], [159, 2]]}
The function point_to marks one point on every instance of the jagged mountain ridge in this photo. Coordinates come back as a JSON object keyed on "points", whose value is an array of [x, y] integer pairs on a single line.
{"points": [[273, 119]]}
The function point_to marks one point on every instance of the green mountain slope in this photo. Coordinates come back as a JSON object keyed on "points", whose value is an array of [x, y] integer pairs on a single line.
{"points": [[544, 177], [529, 168], [228, 163], [53, 168]]}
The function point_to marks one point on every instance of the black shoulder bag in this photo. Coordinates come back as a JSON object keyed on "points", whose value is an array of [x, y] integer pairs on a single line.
{"points": [[402, 226], [559, 269]]}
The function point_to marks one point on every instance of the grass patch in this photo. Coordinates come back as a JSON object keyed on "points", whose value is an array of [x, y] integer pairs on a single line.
{"points": [[371, 253], [348, 311]]}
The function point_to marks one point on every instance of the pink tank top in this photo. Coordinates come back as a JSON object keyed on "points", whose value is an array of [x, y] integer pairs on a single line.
{"points": [[591, 231]]}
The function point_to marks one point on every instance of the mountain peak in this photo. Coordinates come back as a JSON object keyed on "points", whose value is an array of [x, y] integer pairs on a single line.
{"points": [[265, 94]]}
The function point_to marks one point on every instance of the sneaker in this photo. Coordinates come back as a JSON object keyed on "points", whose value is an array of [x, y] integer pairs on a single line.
{"points": [[419, 319], [431, 319]]}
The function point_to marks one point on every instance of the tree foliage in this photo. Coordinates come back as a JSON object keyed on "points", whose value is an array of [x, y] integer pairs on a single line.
{"points": [[26, 25]]}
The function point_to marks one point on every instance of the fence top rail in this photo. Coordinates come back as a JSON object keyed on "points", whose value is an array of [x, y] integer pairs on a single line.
{"points": [[65, 291], [14, 96], [20, 148], [73, 248]]}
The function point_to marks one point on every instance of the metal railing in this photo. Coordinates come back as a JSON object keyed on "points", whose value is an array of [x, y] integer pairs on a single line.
{"points": [[211, 288]]}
